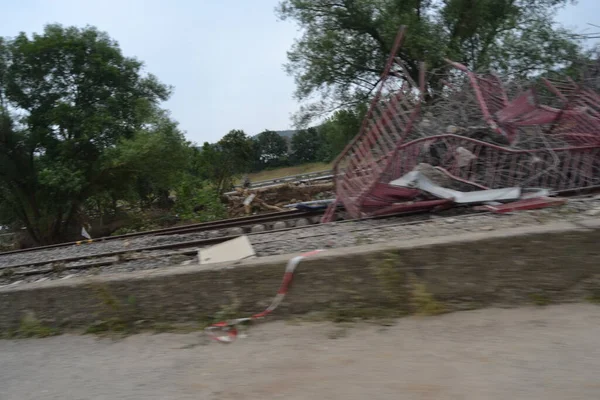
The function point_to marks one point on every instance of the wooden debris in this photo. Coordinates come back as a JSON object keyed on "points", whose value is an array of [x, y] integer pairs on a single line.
{"points": [[272, 199]]}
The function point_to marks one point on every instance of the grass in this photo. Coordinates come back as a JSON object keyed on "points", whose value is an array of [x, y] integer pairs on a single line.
{"points": [[423, 302], [594, 297], [287, 171], [539, 299], [31, 327]]}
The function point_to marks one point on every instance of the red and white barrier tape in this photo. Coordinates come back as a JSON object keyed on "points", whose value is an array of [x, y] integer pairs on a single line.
{"points": [[226, 331]]}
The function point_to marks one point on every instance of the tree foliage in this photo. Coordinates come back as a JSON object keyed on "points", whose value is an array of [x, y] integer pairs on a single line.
{"points": [[308, 146], [198, 201], [238, 146], [78, 117], [270, 150], [339, 129], [220, 163], [145, 167], [345, 43]]}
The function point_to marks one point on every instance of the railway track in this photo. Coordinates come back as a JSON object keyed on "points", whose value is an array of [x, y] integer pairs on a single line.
{"points": [[223, 230], [190, 247], [244, 223]]}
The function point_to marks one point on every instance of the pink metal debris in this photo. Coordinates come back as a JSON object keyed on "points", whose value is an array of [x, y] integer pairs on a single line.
{"points": [[411, 206], [523, 205], [390, 144]]}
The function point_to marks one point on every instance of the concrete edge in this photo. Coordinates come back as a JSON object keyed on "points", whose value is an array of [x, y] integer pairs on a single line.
{"points": [[552, 263]]}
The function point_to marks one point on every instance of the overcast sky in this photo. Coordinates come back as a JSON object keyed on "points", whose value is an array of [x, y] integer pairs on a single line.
{"points": [[223, 57]]}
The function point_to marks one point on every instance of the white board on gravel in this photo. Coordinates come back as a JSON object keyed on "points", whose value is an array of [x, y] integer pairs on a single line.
{"points": [[231, 250]]}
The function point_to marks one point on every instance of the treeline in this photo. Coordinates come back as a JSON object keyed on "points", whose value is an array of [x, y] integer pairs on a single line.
{"points": [[237, 153]]}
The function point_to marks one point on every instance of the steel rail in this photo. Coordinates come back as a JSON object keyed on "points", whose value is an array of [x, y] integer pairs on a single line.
{"points": [[206, 242], [198, 227]]}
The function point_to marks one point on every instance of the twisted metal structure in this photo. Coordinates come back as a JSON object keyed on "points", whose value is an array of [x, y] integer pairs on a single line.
{"points": [[518, 142]]}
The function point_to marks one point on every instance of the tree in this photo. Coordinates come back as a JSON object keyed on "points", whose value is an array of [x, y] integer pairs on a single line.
{"points": [[340, 129], [69, 99], [221, 162], [237, 146], [270, 150], [345, 43], [198, 201], [307, 145], [214, 167], [151, 163]]}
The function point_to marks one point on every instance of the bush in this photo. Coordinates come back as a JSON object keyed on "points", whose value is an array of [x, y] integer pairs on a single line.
{"points": [[198, 201]]}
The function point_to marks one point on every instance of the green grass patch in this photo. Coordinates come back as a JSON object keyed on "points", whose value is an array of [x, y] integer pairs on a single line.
{"points": [[594, 297], [31, 327]]}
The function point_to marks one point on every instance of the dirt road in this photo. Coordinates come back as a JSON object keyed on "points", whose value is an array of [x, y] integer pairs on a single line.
{"points": [[531, 353]]}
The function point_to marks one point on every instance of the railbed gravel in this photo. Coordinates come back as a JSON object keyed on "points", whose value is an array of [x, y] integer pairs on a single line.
{"points": [[334, 235], [90, 249]]}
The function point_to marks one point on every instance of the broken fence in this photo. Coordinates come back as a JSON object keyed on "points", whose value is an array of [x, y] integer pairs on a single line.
{"points": [[532, 144]]}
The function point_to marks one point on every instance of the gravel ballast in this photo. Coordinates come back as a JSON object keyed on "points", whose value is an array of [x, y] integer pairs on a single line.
{"points": [[333, 235]]}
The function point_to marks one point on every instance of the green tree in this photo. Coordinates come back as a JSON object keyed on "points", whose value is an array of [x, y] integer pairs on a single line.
{"points": [[213, 166], [340, 129], [198, 201], [151, 163], [73, 97], [307, 145], [270, 150], [237, 146], [345, 43], [143, 170], [220, 163]]}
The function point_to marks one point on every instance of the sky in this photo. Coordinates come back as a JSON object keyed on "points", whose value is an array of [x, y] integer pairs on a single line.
{"points": [[224, 58]]}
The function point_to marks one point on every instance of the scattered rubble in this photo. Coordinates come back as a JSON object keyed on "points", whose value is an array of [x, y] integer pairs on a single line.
{"points": [[274, 198]]}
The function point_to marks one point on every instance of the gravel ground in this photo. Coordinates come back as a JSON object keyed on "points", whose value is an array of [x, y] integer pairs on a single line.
{"points": [[376, 231], [530, 353], [140, 261], [99, 248], [309, 238]]}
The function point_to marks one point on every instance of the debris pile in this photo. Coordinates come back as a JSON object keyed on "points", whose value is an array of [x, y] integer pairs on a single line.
{"points": [[274, 198], [482, 141]]}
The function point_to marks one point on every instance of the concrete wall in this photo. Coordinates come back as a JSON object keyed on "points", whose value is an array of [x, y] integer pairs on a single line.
{"points": [[559, 262]]}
